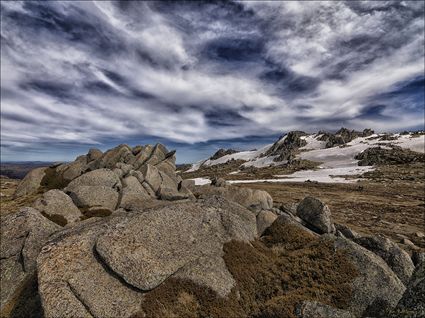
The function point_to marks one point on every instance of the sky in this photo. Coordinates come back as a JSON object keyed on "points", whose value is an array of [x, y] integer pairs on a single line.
{"points": [[198, 76]]}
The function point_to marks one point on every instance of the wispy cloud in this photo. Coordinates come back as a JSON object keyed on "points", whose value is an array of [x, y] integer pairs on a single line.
{"points": [[82, 73]]}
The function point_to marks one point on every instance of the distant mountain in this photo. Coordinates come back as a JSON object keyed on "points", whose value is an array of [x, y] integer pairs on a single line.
{"points": [[334, 153]]}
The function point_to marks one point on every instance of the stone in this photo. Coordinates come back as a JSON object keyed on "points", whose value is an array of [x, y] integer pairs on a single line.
{"points": [[148, 189], [99, 177], [151, 176], [186, 192], [167, 182], [133, 195], [219, 182], [126, 168], [168, 167], [255, 200], [346, 231], [138, 175], [412, 304], [56, 205], [376, 288], [94, 268], [287, 219], [188, 183], [136, 150], [314, 309], [187, 231], [74, 169], [22, 236], [409, 243], [420, 234], [158, 154], [94, 196], [141, 157], [31, 183], [289, 208], [172, 195], [264, 219], [418, 257], [94, 154], [316, 214], [73, 282], [396, 258], [121, 153]]}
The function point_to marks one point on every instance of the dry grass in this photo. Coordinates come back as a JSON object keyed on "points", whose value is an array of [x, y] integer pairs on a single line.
{"points": [[249, 173], [10, 205], [272, 275], [390, 202]]}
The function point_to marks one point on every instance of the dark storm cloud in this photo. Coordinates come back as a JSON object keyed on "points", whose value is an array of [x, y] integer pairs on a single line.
{"points": [[206, 74]]}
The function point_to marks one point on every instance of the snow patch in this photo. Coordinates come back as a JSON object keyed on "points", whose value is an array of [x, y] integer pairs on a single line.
{"points": [[201, 181]]}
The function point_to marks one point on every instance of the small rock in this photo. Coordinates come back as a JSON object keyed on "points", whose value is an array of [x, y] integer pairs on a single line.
{"points": [[56, 204], [30, 183], [94, 154], [264, 220], [316, 214]]}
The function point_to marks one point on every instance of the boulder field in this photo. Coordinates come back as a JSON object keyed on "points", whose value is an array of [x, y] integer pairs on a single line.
{"points": [[120, 234]]}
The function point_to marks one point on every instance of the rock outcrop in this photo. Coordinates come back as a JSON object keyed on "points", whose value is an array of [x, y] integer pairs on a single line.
{"points": [[102, 267], [31, 182], [255, 200], [221, 153], [57, 206], [376, 289], [412, 304], [343, 136], [393, 156], [396, 258], [22, 236], [286, 146], [127, 228]]}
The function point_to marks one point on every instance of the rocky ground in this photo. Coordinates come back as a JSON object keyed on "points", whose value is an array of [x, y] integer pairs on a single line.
{"points": [[120, 234]]}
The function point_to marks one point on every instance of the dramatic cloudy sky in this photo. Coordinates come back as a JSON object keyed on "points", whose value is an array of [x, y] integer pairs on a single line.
{"points": [[198, 76]]}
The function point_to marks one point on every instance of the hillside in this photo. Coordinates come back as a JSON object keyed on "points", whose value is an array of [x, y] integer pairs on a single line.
{"points": [[321, 157]]}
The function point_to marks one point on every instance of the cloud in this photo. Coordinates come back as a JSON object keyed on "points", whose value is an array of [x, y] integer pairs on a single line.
{"points": [[77, 74]]}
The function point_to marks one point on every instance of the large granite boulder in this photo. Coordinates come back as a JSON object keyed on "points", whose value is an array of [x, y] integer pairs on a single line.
{"points": [[151, 176], [72, 170], [134, 195], [396, 258], [86, 197], [412, 304], [188, 231], [121, 153], [58, 207], [99, 177], [104, 267], [31, 183], [255, 200], [73, 282], [316, 214], [314, 309], [376, 289], [94, 154], [22, 236]]}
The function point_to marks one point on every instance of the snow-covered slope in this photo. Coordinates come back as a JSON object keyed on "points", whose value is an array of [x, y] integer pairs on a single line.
{"points": [[335, 161]]}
